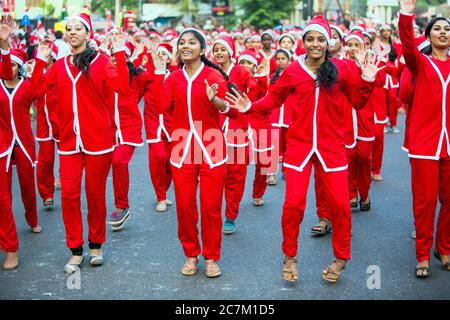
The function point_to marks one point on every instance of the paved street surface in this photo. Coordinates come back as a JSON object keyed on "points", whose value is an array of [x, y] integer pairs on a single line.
{"points": [[144, 260]]}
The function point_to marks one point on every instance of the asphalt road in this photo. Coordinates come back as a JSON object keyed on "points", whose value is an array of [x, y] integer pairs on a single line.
{"points": [[144, 260]]}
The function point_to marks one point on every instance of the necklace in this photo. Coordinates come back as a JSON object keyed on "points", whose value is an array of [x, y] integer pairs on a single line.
{"points": [[311, 67]]}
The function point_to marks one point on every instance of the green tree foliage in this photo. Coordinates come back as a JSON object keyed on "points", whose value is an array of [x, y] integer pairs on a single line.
{"points": [[99, 6], [266, 13]]}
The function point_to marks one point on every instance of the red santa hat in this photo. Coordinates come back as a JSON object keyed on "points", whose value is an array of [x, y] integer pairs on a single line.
{"points": [[359, 27], [338, 30], [385, 27], [199, 32], [129, 49], [85, 19], [268, 32], [320, 24], [250, 55], [286, 35], [54, 53], [18, 56], [139, 32], [34, 40], [228, 43], [166, 48], [356, 35], [237, 34], [255, 37]]}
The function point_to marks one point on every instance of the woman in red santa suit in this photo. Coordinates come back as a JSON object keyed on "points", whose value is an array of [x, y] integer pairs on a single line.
{"points": [[315, 138], [158, 127], [8, 234], [281, 118], [129, 136], [198, 155], [17, 96], [390, 51], [359, 157], [323, 227], [237, 134], [85, 81], [406, 93], [429, 144], [47, 135]]}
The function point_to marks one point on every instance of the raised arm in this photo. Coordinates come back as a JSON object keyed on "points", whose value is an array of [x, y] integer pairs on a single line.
{"points": [[406, 32], [6, 25], [119, 79], [40, 83]]}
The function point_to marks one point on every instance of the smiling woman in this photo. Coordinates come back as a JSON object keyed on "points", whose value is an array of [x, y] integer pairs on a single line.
{"points": [[187, 93], [84, 82], [429, 145], [315, 138]]}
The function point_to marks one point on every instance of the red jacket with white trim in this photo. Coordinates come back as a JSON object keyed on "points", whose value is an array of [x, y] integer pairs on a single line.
{"points": [[15, 125], [429, 119], [197, 136], [85, 114], [128, 119], [157, 125], [46, 119], [318, 113]]}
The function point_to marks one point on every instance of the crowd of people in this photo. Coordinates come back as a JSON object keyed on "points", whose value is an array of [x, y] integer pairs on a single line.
{"points": [[320, 97]]}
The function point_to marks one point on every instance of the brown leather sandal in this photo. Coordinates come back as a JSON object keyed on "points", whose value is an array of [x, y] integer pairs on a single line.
{"points": [[332, 275], [290, 269], [190, 266]]}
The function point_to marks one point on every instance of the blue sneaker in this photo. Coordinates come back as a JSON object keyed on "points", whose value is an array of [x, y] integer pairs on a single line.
{"points": [[229, 226]]}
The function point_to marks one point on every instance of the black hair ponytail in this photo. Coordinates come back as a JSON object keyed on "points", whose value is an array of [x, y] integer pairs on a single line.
{"points": [[327, 74], [133, 71], [83, 60], [393, 53]]}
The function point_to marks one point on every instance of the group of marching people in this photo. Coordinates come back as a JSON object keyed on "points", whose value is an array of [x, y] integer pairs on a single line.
{"points": [[212, 107]]}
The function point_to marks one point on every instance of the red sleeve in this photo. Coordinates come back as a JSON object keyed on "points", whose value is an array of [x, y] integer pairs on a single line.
{"points": [[6, 67], [40, 84], [406, 92], [118, 79], [410, 51]]}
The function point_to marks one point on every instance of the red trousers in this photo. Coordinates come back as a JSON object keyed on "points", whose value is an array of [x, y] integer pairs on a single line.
{"points": [[321, 202], [392, 105], [259, 182], [8, 233], [44, 169], [121, 176], [96, 169], [283, 141], [160, 168], [25, 173], [359, 170], [377, 148], [186, 180], [236, 173], [336, 195], [430, 181]]}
